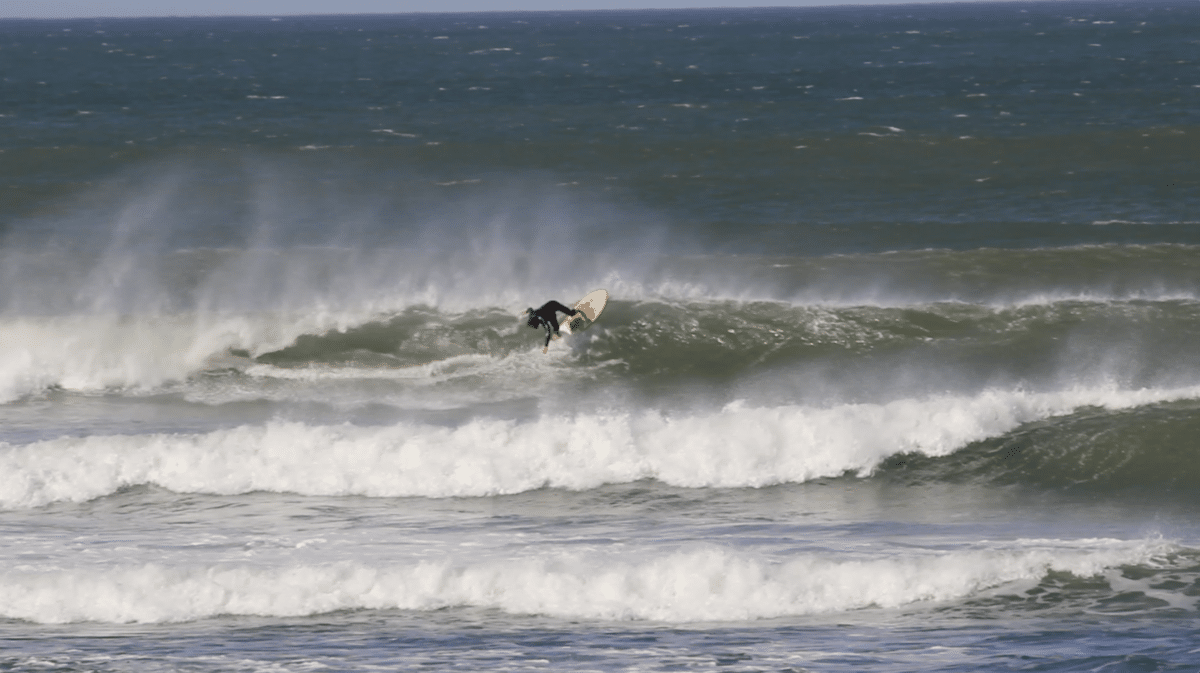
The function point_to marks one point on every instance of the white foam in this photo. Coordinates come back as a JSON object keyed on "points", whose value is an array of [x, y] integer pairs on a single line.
{"points": [[737, 446], [699, 584], [90, 352], [438, 369]]}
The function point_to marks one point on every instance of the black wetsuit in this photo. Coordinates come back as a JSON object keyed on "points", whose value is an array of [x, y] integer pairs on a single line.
{"points": [[547, 316]]}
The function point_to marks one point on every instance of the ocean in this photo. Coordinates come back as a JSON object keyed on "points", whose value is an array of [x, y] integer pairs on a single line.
{"points": [[899, 369]]}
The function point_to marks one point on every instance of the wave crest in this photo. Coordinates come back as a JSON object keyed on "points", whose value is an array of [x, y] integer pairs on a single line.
{"points": [[704, 584], [737, 446]]}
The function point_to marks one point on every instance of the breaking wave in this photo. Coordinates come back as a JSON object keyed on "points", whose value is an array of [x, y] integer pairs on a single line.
{"points": [[695, 585], [736, 446]]}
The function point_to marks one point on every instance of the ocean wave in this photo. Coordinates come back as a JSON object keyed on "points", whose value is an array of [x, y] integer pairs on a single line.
{"points": [[735, 447], [134, 302], [129, 298], [90, 353], [706, 583], [1148, 448]]}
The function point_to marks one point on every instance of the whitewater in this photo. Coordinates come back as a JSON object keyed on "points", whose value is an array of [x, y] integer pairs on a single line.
{"points": [[735, 447]]}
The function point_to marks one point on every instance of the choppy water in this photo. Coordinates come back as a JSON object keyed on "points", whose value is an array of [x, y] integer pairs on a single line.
{"points": [[899, 369]]}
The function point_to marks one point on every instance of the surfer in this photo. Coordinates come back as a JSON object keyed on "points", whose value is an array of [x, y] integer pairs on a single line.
{"points": [[547, 316]]}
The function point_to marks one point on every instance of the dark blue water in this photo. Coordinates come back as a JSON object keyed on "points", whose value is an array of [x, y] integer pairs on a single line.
{"points": [[897, 370]]}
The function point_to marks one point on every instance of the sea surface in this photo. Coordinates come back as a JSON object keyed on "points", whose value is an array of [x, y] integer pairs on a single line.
{"points": [[900, 370]]}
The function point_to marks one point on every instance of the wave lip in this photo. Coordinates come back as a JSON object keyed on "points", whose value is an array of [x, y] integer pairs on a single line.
{"points": [[737, 446], [696, 585]]}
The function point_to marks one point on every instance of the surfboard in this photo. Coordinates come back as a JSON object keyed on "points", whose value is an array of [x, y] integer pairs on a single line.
{"points": [[590, 307]]}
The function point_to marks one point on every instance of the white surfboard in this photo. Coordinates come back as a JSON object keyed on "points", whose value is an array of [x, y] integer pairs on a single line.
{"points": [[589, 308]]}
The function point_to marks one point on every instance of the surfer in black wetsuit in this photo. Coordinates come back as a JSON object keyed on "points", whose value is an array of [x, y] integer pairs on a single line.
{"points": [[547, 317]]}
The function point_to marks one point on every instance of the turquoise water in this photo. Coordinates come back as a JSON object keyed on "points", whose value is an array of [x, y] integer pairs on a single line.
{"points": [[897, 371]]}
